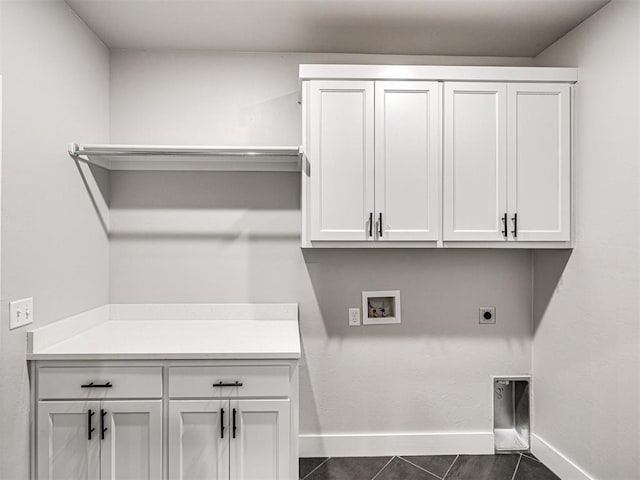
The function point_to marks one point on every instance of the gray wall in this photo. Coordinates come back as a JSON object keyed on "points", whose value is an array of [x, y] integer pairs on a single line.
{"points": [[234, 237], [585, 350], [54, 248]]}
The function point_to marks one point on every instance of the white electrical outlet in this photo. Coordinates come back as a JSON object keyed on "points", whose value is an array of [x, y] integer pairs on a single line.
{"points": [[354, 317], [20, 313], [487, 315]]}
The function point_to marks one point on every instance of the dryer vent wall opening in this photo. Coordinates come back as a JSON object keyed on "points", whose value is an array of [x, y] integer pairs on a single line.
{"points": [[511, 414]]}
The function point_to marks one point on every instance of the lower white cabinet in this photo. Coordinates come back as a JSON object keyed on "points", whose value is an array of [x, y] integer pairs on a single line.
{"points": [[65, 447], [132, 444], [260, 439], [99, 440], [199, 439], [222, 439], [202, 420]]}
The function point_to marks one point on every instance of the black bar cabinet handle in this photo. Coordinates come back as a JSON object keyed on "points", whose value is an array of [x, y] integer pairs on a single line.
{"points": [[504, 225], [90, 429], [515, 225], [234, 423], [235, 384], [222, 423], [371, 224], [380, 224], [103, 429], [97, 385]]}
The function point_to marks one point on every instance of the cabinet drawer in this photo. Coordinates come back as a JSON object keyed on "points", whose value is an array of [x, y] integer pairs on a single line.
{"points": [[92, 382], [257, 381]]}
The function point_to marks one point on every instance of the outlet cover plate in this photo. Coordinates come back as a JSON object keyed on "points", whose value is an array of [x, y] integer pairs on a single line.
{"points": [[487, 312], [20, 313], [354, 317]]}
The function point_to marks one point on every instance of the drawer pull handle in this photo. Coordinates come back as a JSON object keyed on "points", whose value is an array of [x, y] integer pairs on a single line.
{"points": [[90, 428], [98, 385], [235, 384]]}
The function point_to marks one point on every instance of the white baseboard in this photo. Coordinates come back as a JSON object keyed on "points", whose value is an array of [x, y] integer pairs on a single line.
{"points": [[556, 461], [383, 444]]}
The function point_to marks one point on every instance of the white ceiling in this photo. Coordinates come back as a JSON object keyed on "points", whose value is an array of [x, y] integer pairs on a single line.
{"points": [[429, 27]]}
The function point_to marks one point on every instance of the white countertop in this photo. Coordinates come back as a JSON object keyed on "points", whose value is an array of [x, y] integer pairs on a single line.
{"points": [[124, 332]]}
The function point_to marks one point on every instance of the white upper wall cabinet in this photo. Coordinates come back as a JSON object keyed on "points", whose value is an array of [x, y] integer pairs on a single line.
{"points": [[539, 161], [387, 190], [415, 156], [407, 159], [341, 160], [507, 162], [475, 161]]}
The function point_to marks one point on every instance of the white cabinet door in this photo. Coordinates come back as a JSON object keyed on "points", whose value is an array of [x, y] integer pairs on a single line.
{"points": [[132, 444], [199, 439], [407, 174], [341, 160], [475, 161], [260, 442], [539, 126], [66, 448]]}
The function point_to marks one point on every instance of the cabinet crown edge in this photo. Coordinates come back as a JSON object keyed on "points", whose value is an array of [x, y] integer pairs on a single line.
{"points": [[439, 73]]}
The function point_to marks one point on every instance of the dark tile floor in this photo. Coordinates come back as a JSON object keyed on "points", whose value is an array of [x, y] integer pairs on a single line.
{"points": [[428, 467]]}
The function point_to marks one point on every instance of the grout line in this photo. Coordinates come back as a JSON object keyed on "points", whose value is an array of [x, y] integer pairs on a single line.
{"points": [[531, 458], [450, 466], [321, 463], [385, 466], [421, 468], [516, 470]]}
